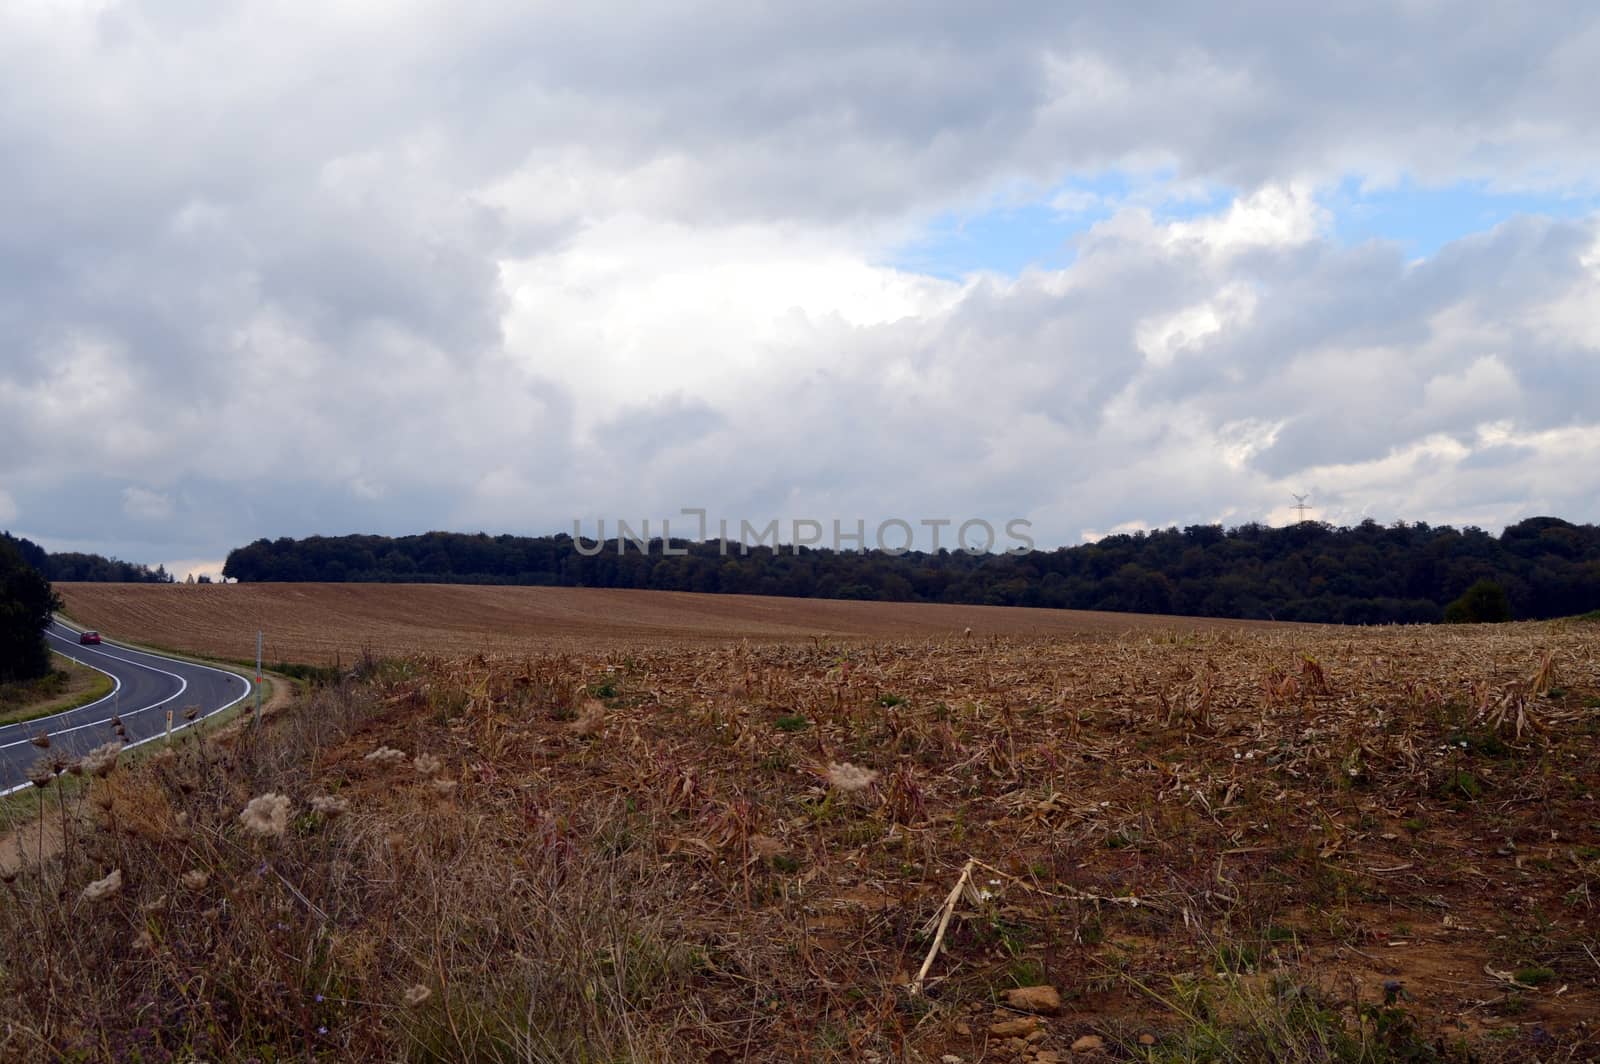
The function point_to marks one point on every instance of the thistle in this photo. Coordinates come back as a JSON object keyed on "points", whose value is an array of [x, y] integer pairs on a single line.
{"points": [[267, 815]]}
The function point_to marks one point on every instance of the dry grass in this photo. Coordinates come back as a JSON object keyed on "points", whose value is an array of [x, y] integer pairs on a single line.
{"points": [[315, 623], [1237, 843]]}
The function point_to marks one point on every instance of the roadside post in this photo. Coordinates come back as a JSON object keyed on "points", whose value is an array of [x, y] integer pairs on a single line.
{"points": [[169, 725]]}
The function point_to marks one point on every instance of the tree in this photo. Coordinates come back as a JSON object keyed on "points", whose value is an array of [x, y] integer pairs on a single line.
{"points": [[1484, 602], [26, 602]]}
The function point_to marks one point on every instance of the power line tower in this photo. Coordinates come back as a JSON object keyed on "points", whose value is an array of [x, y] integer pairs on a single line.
{"points": [[1300, 504]]}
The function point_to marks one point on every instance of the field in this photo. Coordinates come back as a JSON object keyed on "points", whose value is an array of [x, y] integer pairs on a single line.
{"points": [[1210, 844], [315, 623]]}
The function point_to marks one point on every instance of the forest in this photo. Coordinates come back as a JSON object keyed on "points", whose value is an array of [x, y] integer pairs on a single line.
{"points": [[1310, 571], [73, 565]]}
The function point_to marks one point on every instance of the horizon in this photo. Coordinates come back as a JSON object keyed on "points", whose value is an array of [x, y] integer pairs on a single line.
{"points": [[183, 569], [1095, 268]]}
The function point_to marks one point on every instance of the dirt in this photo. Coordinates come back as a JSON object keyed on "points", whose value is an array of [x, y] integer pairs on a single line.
{"points": [[319, 623]]}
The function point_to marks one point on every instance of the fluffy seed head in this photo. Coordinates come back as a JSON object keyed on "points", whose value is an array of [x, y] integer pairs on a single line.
{"points": [[267, 815], [386, 755], [102, 889], [417, 995], [848, 777], [102, 759], [330, 805], [427, 764], [194, 879]]}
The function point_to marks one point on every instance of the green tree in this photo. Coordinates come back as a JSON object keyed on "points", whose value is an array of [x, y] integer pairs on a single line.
{"points": [[26, 601], [1482, 603]]}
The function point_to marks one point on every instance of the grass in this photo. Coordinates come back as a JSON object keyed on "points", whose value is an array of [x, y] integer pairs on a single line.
{"points": [[537, 876], [67, 686]]}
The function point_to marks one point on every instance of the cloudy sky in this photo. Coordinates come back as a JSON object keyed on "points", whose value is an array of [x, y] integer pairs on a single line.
{"points": [[359, 266]]}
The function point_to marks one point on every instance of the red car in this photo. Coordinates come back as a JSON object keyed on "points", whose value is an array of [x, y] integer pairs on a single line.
{"points": [[89, 637]]}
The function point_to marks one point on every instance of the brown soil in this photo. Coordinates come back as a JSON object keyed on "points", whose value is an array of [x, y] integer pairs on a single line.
{"points": [[315, 623]]}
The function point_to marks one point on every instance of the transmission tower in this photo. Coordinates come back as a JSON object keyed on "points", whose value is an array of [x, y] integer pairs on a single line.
{"points": [[1300, 504]]}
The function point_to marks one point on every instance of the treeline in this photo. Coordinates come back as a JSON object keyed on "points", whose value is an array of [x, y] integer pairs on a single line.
{"points": [[1368, 574], [26, 602], [72, 565]]}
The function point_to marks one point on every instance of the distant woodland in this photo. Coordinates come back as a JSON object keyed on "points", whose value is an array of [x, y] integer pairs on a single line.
{"points": [[1367, 574], [93, 567]]}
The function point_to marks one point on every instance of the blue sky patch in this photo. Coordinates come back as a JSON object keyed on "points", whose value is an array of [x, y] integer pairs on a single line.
{"points": [[1424, 219], [1039, 228]]}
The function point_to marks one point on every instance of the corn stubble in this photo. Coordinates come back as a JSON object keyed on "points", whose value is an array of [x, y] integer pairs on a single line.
{"points": [[1314, 844]]}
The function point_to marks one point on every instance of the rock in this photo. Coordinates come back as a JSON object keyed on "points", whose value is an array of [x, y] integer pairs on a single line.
{"points": [[1016, 1028], [1048, 1056], [964, 1030], [1043, 999], [1037, 1036], [1089, 1043], [949, 1058]]}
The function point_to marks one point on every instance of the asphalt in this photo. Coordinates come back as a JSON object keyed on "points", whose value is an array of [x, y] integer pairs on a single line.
{"points": [[146, 686]]}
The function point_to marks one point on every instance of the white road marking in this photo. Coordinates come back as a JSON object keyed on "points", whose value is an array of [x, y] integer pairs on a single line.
{"points": [[184, 686]]}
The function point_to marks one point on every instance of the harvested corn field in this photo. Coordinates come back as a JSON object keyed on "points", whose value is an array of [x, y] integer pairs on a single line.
{"points": [[316, 623], [1291, 844]]}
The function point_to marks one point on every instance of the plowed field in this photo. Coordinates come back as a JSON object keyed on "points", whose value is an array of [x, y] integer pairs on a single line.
{"points": [[315, 623]]}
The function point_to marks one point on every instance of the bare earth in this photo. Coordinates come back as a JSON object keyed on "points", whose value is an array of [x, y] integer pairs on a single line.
{"points": [[1210, 841], [314, 623]]}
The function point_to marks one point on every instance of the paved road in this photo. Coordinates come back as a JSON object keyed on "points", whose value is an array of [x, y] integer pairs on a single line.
{"points": [[146, 686]]}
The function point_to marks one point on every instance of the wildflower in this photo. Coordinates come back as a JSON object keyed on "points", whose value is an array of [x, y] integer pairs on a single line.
{"points": [[427, 764], [848, 777], [102, 759], [417, 995], [194, 879], [386, 755], [266, 815], [101, 889], [330, 805]]}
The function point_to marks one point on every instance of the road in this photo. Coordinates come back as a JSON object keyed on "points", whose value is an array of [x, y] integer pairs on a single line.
{"points": [[145, 687]]}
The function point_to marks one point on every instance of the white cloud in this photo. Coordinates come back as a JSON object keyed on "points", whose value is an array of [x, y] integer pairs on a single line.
{"points": [[386, 269]]}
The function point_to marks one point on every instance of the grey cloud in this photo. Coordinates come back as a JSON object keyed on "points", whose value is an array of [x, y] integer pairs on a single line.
{"points": [[276, 222]]}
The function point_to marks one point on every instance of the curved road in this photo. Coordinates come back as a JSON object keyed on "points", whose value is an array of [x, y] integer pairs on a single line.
{"points": [[145, 686]]}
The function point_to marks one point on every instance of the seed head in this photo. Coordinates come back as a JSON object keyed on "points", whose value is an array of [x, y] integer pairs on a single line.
{"points": [[386, 755], [330, 805], [267, 815], [102, 889], [848, 777], [42, 773], [194, 879], [102, 759], [417, 995], [427, 764]]}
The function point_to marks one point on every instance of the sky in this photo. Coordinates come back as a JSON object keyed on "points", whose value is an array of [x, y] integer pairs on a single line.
{"points": [[293, 268]]}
